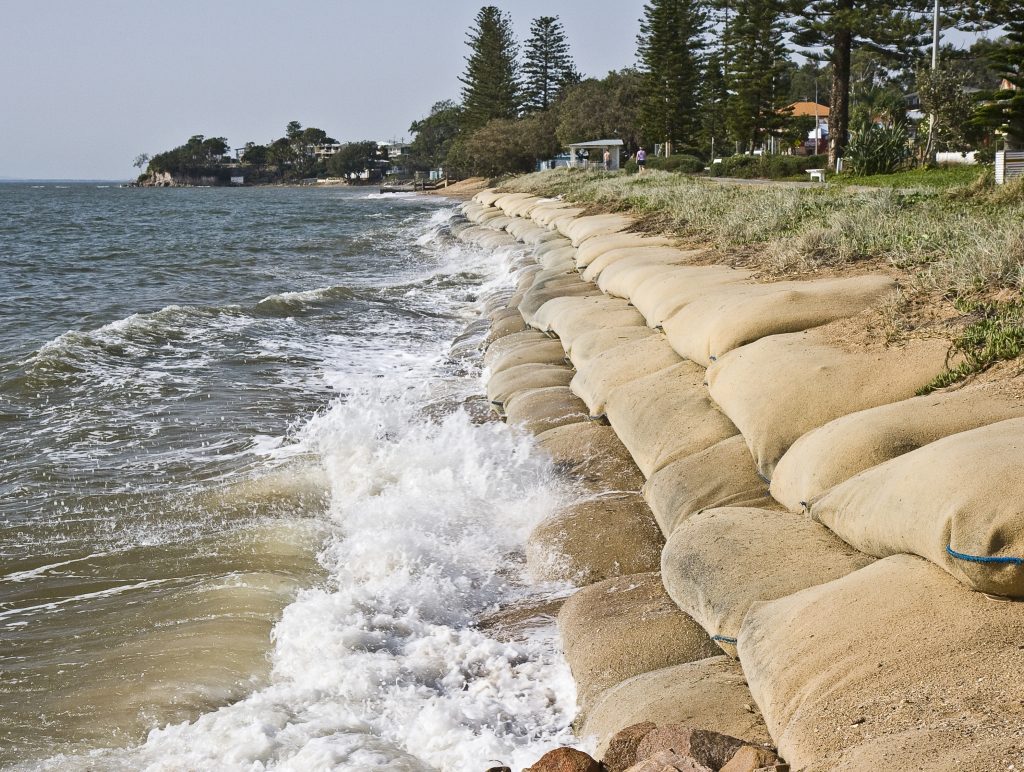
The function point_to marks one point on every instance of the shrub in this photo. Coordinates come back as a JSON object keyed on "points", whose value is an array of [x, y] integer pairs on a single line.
{"points": [[878, 149], [770, 166], [683, 164]]}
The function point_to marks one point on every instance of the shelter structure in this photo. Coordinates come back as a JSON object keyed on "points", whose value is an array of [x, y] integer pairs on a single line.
{"points": [[590, 155]]}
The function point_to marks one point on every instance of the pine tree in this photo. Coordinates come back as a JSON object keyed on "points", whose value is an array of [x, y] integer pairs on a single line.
{"points": [[547, 64], [894, 28], [756, 78], [670, 49], [491, 81], [1005, 111], [714, 99]]}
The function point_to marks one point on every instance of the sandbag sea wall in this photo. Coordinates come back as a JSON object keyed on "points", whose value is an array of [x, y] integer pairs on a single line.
{"points": [[780, 541]]}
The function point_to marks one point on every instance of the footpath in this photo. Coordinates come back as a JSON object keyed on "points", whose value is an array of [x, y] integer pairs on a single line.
{"points": [[786, 559]]}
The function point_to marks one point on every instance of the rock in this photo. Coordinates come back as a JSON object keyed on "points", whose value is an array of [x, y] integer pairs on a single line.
{"points": [[565, 760], [712, 749], [669, 761], [621, 752], [751, 758]]}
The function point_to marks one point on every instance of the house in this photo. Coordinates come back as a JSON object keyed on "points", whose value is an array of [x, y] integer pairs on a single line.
{"points": [[817, 138]]}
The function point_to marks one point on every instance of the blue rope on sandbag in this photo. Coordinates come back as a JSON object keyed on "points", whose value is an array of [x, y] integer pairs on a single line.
{"points": [[983, 558], [724, 639]]}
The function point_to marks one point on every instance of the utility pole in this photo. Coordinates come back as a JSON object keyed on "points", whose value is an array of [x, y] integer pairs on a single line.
{"points": [[929, 148]]}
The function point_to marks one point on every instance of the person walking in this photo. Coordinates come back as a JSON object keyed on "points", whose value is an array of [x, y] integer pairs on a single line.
{"points": [[641, 160], [607, 159]]}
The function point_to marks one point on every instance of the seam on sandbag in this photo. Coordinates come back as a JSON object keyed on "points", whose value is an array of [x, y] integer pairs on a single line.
{"points": [[983, 558], [766, 479], [724, 639]]}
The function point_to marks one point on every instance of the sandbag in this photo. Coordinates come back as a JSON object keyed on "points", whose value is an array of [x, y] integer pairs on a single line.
{"points": [[534, 235], [537, 296], [549, 313], [595, 380], [666, 415], [585, 317], [517, 227], [595, 539], [557, 258], [958, 502], [498, 223], [506, 201], [537, 410], [841, 448], [582, 228], [527, 205], [738, 314], [488, 196], [622, 278], [660, 296], [502, 386], [503, 312], [622, 627], [707, 694], [782, 386], [535, 352], [505, 326], [720, 476], [588, 345], [546, 214], [645, 255], [896, 657], [593, 456], [556, 242], [719, 562], [594, 247], [500, 348]]}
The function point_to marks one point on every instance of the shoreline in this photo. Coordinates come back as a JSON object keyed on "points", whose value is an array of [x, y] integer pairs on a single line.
{"points": [[630, 360]]}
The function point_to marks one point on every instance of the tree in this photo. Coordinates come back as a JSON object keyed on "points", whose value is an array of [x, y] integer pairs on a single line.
{"points": [[1004, 110], [141, 160], [714, 97], [434, 135], [602, 109], [547, 66], [505, 145], [293, 130], [670, 49], [354, 158], [757, 73], [255, 155], [834, 28], [491, 80], [314, 137], [943, 96]]}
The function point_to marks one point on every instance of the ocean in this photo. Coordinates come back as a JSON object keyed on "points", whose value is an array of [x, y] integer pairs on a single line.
{"points": [[251, 511]]}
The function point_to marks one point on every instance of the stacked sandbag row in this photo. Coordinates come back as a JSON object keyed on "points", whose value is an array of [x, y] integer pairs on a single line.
{"points": [[793, 398], [621, 630]]}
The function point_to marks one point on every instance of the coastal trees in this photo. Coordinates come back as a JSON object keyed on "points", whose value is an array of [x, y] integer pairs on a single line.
{"points": [[353, 158], [1004, 110], [602, 109], [547, 65], [491, 86], [834, 28], [670, 49], [435, 135], [505, 145]]}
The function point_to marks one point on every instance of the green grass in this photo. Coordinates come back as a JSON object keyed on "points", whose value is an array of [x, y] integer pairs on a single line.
{"points": [[937, 178]]}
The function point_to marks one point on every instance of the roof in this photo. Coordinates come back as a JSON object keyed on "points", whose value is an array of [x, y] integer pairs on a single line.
{"points": [[807, 108], [598, 143]]}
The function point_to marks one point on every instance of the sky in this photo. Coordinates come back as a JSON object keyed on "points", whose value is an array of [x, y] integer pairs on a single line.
{"points": [[87, 86]]}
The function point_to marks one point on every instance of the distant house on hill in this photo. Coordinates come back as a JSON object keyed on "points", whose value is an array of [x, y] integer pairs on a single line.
{"points": [[817, 137]]}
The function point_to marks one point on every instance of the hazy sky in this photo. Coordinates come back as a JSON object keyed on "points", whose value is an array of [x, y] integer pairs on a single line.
{"points": [[89, 84]]}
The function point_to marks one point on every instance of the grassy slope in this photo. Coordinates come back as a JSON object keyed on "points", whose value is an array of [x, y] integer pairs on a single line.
{"points": [[959, 244]]}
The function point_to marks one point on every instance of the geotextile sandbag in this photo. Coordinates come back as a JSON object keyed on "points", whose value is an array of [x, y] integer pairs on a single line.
{"points": [[958, 501], [835, 452], [584, 317], [594, 247], [595, 539], [506, 201], [593, 456], [534, 235], [545, 352], [517, 227], [780, 387], [717, 563], [723, 475], [895, 666], [499, 223], [556, 242], [737, 314], [537, 410], [660, 296], [527, 205], [594, 343], [623, 277], [633, 255], [582, 228], [546, 214], [709, 693], [548, 313], [539, 294], [504, 385], [508, 343], [622, 627], [488, 196], [503, 327], [596, 379], [666, 415], [557, 258]]}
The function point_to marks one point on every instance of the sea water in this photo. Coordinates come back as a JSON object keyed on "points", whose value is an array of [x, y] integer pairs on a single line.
{"points": [[251, 513]]}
